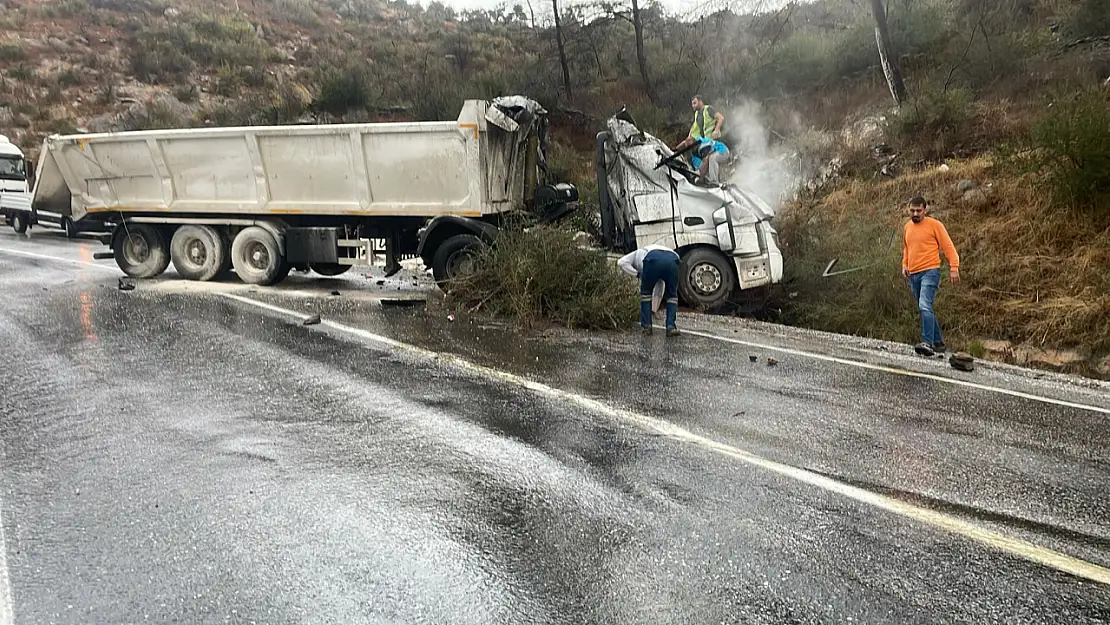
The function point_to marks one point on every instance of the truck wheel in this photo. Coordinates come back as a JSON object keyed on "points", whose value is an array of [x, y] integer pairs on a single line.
{"points": [[454, 257], [141, 251], [256, 256], [329, 269], [706, 279], [19, 222], [69, 228], [198, 252]]}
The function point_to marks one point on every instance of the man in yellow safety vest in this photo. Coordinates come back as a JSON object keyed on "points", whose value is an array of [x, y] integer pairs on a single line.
{"points": [[707, 123]]}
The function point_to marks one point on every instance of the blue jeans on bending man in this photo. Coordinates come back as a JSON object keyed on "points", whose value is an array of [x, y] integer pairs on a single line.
{"points": [[659, 265], [924, 286]]}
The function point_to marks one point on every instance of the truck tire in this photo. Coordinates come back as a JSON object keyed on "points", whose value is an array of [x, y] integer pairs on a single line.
{"points": [[256, 256], [451, 257], [706, 279], [330, 269], [19, 222], [141, 251], [198, 252]]}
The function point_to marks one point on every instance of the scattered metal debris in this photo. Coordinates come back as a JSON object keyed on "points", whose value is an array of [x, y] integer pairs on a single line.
{"points": [[311, 321]]}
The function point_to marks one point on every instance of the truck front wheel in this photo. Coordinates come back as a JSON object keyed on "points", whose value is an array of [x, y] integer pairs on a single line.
{"points": [[256, 256], [140, 250], [19, 222], [706, 279], [454, 257], [198, 252]]}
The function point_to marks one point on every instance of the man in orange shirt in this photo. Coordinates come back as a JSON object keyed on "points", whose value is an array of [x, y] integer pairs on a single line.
{"points": [[923, 239]]}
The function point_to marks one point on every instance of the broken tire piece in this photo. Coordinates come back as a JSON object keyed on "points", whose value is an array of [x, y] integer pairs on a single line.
{"points": [[311, 321], [962, 361]]}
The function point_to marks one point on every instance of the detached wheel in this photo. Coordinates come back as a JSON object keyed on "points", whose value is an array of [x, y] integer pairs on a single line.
{"points": [[455, 257], [706, 279], [19, 222], [256, 257], [69, 227], [198, 252], [330, 269], [141, 250]]}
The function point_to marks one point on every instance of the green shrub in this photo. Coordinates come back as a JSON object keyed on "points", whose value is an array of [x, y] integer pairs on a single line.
{"points": [[1070, 144], [933, 123], [12, 52], [541, 274], [1091, 18], [344, 90]]}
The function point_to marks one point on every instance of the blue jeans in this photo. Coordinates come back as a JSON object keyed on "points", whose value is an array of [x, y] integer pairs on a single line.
{"points": [[659, 265], [924, 285]]}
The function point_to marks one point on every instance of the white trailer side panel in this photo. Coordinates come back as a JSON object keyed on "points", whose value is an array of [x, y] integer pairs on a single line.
{"points": [[418, 169]]}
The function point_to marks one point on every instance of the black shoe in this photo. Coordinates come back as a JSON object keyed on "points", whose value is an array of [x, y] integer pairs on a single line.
{"points": [[673, 332], [646, 330], [939, 347], [924, 349]]}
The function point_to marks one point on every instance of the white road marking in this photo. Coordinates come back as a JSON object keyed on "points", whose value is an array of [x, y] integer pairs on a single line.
{"points": [[966, 529], [902, 372], [7, 611], [70, 261]]}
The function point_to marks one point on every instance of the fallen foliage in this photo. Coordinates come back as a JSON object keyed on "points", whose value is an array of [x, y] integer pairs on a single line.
{"points": [[542, 274]]}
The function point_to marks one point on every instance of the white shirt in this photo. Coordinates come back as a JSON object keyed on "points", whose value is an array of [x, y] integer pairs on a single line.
{"points": [[633, 263]]}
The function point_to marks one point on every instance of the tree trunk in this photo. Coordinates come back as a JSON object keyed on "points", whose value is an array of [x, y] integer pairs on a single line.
{"points": [[562, 50], [641, 59], [886, 54]]}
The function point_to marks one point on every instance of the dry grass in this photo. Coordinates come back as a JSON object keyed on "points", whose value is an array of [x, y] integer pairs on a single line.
{"points": [[1032, 272]]}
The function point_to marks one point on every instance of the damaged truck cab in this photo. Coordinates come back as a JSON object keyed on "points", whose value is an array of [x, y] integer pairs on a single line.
{"points": [[722, 233]]}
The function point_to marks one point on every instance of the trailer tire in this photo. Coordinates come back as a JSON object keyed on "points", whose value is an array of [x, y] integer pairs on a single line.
{"points": [[706, 279], [451, 255], [19, 222], [256, 256], [141, 251], [198, 252], [329, 269]]}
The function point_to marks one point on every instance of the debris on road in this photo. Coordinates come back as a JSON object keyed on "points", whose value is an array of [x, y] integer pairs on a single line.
{"points": [[771, 362], [311, 321], [753, 358], [962, 361], [125, 286]]}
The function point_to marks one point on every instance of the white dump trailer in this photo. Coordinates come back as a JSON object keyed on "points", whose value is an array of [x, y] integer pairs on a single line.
{"points": [[263, 200], [649, 196]]}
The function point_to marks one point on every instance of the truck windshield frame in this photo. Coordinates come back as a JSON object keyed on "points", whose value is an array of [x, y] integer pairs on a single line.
{"points": [[12, 167]]}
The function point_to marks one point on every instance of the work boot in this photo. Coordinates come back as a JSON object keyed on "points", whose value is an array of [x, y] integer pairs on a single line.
{"points": [[646, 330], [940, 348], [924, 349], [673, 332]]}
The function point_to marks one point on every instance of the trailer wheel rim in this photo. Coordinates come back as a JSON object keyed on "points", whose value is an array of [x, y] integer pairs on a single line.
{"points": [[196, 252], [258, 257], [706, 278], [136, 249]]}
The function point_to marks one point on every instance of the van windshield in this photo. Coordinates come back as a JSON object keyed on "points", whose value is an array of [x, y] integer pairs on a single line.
{"points": [[12, 168]]}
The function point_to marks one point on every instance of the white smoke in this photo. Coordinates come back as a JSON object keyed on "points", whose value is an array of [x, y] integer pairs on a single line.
{"points": [[767, 164]]}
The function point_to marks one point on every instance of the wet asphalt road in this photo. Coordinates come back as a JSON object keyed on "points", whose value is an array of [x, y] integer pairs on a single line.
{"points": [[174, 455]]}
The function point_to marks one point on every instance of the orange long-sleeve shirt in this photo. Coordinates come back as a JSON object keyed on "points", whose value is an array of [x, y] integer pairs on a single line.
{"points": [[922, 244]]}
